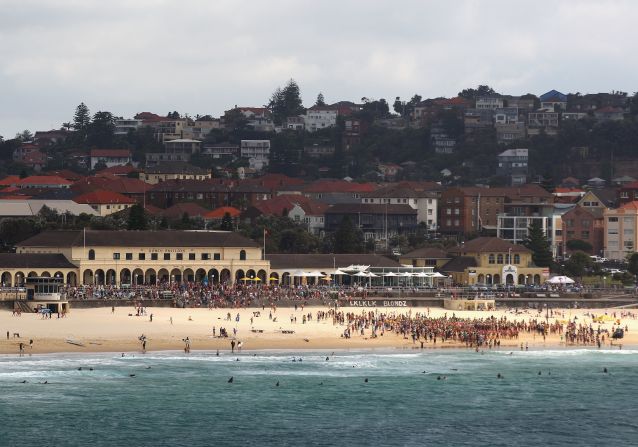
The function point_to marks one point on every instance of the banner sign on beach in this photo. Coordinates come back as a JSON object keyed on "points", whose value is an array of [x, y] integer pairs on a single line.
{"points": [[376, 303]]}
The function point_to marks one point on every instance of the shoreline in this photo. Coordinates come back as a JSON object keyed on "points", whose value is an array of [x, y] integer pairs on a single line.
{"points": [[100, 330]]}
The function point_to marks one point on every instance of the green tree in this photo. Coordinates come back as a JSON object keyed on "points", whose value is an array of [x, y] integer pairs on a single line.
{"points": [[633, 264], [579, 245], [577, 264], [285, 102], [101, 131], [14, 230], [405, 109], [25, 135], [473, 93], [227, 223], [81, 121], [137, 218], [348, 238], [537, 242], [320, 100]]}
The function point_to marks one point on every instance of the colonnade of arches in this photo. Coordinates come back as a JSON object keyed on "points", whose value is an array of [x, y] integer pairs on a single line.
{"points": [[17, 279], [163, 275], [508, 279]]}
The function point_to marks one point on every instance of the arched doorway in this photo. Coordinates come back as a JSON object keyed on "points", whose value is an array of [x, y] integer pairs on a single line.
{"points": [[521, 279], [45, 274], [537, 279], [176, 275], [200, 274], [71, 279], [32, 274], [240, 275], [242, 255], [188, 275], [509, 279], [138, 277], [111, 277], [285, 279], [481, 278], [59, 275], [213, 276], [87, 277], [125, 276], [261, 274], [6, 279], [99, 277], [19, 279], [274, 277], [497, 279], [150, 277], [252, 275], [224, 276], [162, 275]]}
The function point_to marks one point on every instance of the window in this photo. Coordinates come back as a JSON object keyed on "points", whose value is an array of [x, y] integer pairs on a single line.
{"points": [[167, 256], [613, 219], [448, 222], [191, 256], [91, 255], [585, 223], [491, 258], [624, 195], [456, 211], [612, 231], [116, 256], [242, 255], [584, 234], [129, 256], [141, 256], [448, 211], [217, 256], [517, 259], [499, 258], [179, 256], [154, 256], [205, 256]]}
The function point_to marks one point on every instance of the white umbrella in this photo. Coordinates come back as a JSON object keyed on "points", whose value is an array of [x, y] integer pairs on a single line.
{"points": [[560, 280], [315, 273], [363, 274], [390, 274], [298, 273], [372, 275], [421, 275], [438, 275], [406, 274], [339, 272]]}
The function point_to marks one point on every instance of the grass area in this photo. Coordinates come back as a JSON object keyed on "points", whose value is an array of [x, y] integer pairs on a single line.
{"points": [[595, 280]]}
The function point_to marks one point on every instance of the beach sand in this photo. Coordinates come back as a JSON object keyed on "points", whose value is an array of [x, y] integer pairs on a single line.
{"points": [[100, 330]]}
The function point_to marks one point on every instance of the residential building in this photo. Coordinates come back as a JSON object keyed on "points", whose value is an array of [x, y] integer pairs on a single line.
{"points": [[30, 155], [173, 171], [319, 150], [320, 117], [508, 133], [105, 202], [169, 129], [28, 207], [221, 150], [354, 129], [538, 122], [553, 101], [506, 115], [124, 126], [110, 157], [491, 102], [43, 181], [513, 164], [337, 191], [478, 119], [295, 123], [587, 225], [389, 171], [258, 118], [155, 158], [628, 193], [490, 260], [621, 227], [423, 200], [257, 152], [441, 142], [182, 146], [377, 222]]}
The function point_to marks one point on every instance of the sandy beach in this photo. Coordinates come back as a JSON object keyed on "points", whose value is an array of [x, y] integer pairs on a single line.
{"points": [[101, 330]]}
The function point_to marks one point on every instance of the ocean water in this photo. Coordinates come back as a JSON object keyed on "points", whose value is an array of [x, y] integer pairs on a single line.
{"points": [[176, 399]]}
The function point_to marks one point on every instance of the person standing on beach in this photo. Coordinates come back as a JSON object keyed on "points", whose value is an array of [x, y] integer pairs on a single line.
{"points": [[232, 346]]}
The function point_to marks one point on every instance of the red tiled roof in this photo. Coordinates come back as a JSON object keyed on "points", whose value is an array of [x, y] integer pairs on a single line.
{"points": [[103, 197], [123, 185], [632, 185], [10, 180], [118, 170], [273, 181], [609, 109], [630, 206], [286, 202], [44, 180], [110, 153], [67, 174], [220, 212], [13, 197], [148, 117]]}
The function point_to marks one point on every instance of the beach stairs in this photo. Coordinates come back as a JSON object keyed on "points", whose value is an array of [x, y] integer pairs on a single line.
{"points": [[22, 305]]}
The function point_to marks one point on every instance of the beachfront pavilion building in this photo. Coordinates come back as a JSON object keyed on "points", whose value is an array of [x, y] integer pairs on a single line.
{"points": [[491, 261], [96, 257], [349, 269]]}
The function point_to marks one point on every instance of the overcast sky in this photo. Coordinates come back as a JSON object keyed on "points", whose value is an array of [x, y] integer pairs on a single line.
{"points": [[204, 57]]}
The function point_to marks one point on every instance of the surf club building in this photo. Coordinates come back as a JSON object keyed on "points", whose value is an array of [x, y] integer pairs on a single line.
{"points": [[492, 261], [135, 257]]}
